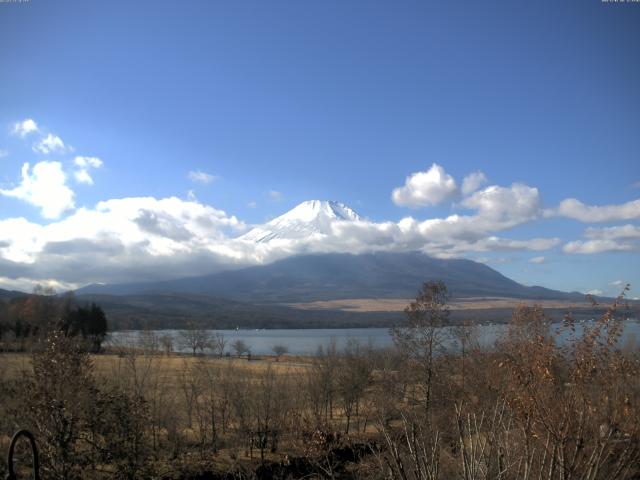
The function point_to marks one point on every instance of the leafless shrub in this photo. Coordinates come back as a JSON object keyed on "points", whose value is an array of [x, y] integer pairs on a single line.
{"points": [[573, 401], [166, 342], [241, 348], [412, 452], [218, 344], [195, 339], [279, 350], [60, 397]]}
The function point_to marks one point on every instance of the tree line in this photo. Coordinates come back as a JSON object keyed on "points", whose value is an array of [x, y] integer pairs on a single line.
{"points": [[24, 321]]}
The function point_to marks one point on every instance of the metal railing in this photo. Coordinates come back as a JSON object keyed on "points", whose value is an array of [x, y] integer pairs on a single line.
{"points": [[34, 454]]}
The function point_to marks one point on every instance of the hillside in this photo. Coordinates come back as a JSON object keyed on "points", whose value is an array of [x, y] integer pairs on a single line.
{"points": [[157, 311], [10, 294], [339, 276]]}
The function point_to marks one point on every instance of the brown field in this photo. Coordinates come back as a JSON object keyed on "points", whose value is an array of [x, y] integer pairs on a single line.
{"points": [[399, 304], [14, 365], [163, 381]]}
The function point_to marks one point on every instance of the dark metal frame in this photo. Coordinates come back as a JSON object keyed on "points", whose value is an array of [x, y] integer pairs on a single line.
{"points": [[34, 453]]}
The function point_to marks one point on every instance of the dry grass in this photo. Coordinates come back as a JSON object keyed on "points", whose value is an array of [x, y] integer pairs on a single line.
{"points": [[14, 365], [163, 376], [399, 304]]}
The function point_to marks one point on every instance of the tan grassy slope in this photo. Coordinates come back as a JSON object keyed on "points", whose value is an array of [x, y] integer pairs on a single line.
{"points": [[399, 304]]}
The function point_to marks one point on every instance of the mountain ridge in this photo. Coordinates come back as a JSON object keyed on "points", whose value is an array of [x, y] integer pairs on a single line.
{"points": [[342, 275]]}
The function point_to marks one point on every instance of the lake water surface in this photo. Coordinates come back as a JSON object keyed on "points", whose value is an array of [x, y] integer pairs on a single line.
{"points": [[307, 341]]}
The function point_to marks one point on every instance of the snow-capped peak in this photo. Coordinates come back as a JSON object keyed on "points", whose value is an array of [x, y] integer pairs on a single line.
{"points": [[307, 218], [311, 210]]}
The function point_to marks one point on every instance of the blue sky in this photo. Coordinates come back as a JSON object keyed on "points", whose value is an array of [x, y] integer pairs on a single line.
{"points": [[330, 100]]}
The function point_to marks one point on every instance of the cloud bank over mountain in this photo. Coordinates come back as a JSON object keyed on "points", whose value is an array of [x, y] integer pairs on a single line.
{"points": [[148, 238]]}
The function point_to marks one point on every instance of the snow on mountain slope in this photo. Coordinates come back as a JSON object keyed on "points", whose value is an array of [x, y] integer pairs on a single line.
{"points": [[308, 218]]}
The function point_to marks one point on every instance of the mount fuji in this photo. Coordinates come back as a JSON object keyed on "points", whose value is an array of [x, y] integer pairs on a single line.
{"points": [[309, 218], [326, 276], [261, 294]]}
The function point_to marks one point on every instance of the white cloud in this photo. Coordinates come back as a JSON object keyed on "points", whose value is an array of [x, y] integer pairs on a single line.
{"points": [[503, 244], [624, 238], [497, 208], [4, 153], [50, 144], [135, 239], [494, 261], [28, 284], [425, 188], [597, 246], [82, 174], [87, 162], [622, 232], [45, 187], [24, 127], [595, 291], [121, 239], [19, 238], [142, 238], [573, 208], [198, 176], [617, 283], [473, 182], [506, 206], [275, 195], [451, 237], [46, 144]]}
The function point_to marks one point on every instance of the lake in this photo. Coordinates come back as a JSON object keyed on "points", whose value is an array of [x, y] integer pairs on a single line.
{"points": [[307, 341]]}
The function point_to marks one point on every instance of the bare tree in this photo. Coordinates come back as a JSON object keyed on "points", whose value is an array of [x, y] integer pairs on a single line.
{"points": [[240, 347], [149, 342], [279, 350], [353, 377], [241, 394], [211, 404], [195, 339], [166, 341], [189, 384], [321, 383], [268, 410], [421, 334], [218, 344], [465, 335]]}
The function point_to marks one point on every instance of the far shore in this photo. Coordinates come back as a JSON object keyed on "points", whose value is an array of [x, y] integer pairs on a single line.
{"points": [[470, 303]]}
